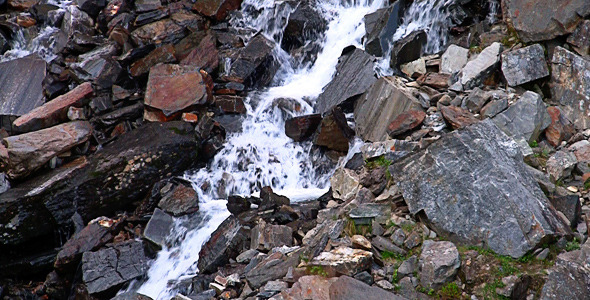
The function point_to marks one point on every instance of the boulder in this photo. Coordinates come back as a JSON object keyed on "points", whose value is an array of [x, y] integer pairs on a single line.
{"points": [[237, 204], [561, 164], [22, 89], [334, 132], [383, 244], [494, 107], [458, 117], [201, 51], [380, 27], [255, 64], [90, 238], [580, 40], [179, 199], [274, 266], [342, 261], [158, 228], [54, 111], [172, 88], [345, 288], [270, 200], [524, 65], [570, 206], [77, 21], [435, 80], [548, 21], [438, 264], [476, 100], [485, 194], [103, 71], [354, 76], [163, 54], [478, 69], [92, 7], [109, 180], [164, 31], [317, 238], [28, 152], [570, 86], [304, 24], [226, 242], [104, 271], [265, 237], [216, 9], [560, 129], [408, 49], [345, 184], [384, 101], [569, 278], [147, 5], [405, 122], [302, 127], [454, 59], [310, 287], [527, 118]]}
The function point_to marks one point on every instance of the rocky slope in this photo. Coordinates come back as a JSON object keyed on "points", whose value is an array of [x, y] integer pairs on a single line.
{"points": [[472, 183]]}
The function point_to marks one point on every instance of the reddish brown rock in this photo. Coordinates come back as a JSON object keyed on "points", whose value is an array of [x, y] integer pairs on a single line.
{"points": [[405, 122], [560, 129], [300, 128], [28, 152], [457, 116], [164, 54], [163, 31], [172, 88], [204, 55], [334, 132], [435, 80], [230, 104], [88, 239], [310, 287], [216, 9], [22, 4], [582, 151], [54, 111], [190, 118], [25, 21]]}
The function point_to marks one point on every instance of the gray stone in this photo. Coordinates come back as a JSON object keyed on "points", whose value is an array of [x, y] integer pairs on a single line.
{"points": [[570, 206], [385, 100], [438, 264], [398, 237], [408, 267], [265, 237], [21, 80], [561, 164], [570, 86], [484, 194], [527, 118], [383, 244], [580, 38], [347, 288], [342, 261], [543, 254], [317, 238], [104, 271], [272, 267], [494, 107], [103, 71], [77, 21], [569, 278], [226, 242], [354, 75], [454, 59], [255, 64], [88, 239], [158, 228], [524, 65], [548, 20], [476, 100], [408, 48], [365, 277], [478, 69], [381, 26], [247, 256], [180, 200], [345, 184]]}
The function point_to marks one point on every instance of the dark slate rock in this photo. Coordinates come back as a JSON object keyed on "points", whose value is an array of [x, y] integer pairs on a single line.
{"points": [[570, 277], [482, 193], [237, 204], [104, 271], [408, 48], [92, 7], [159, 227], [302, 127], [225, 243], [354, 75], [21, 81], [90, 238], [580, 38], [104, 71], [381, 26], [304, 24], [334, 132], [524, 65], [570, 86], [274, 266], [345, 288], [527, 118], [255, 64], [570, 207]]}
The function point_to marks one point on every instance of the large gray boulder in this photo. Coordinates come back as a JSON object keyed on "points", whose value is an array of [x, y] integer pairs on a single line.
{"points": [[524, 65], [473, 187], [104, 271], [354, 75], [385, 100], [478, 69], [570, 86], [527, 118], [538, 20], [570, 277]]}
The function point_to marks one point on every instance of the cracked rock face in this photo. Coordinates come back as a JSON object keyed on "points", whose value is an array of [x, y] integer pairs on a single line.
{"points": [[473, 186], [105, 270]]}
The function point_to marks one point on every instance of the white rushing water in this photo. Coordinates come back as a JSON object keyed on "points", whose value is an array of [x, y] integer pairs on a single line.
{"points": [[261, 154]]}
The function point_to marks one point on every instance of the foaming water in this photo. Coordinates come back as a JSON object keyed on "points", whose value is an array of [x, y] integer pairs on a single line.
{"points": [[261, 154]]}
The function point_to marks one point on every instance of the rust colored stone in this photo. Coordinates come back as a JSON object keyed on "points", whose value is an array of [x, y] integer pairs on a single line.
{"points": [[405, 122], [230, 104], [560, 128], [164, 54], [216, 9], [204, 56], [190, 118], [457, 116], [435, 80]]}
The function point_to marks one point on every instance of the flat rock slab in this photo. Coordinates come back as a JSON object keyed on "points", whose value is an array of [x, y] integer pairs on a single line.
{"points": [[524, 65], [54, 111], [343, 261], [28, 152], [439, 263], [105, 270], [216, 9], [226, 242], [548, 20], [159, 227], [472, 185], [172, 88], [21, 81], [354, 75], [570, 86], [527, 118]]}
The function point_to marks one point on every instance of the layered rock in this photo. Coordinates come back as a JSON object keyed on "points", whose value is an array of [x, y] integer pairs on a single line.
{"points": [[524, 65], [448, 193], [527, 118], [226, 242]]}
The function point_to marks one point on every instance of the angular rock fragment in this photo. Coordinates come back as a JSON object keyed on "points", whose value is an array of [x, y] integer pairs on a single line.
{"points": [[88, 239], [272, 267], [408, 49], [163, 31], [230, 104], [158, 228], [478, 69], [302, 127], [255, 64], [305, 24], [163, 54], [570, 86], [265, 237], [454, 59], [560, 129], [342, 261], [456, 196], [527, 118], [381, 26], [439, 263], [345, 288], [580, 38], [435, 80], [458, 117], [405, 122], [524, 65], [354, 76], [216, 9], [561, 164], [225, 243], [28, 152], [382, 103], [103, 71], [334, 132], [179, 200], [77, 21], [570, 277]]}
